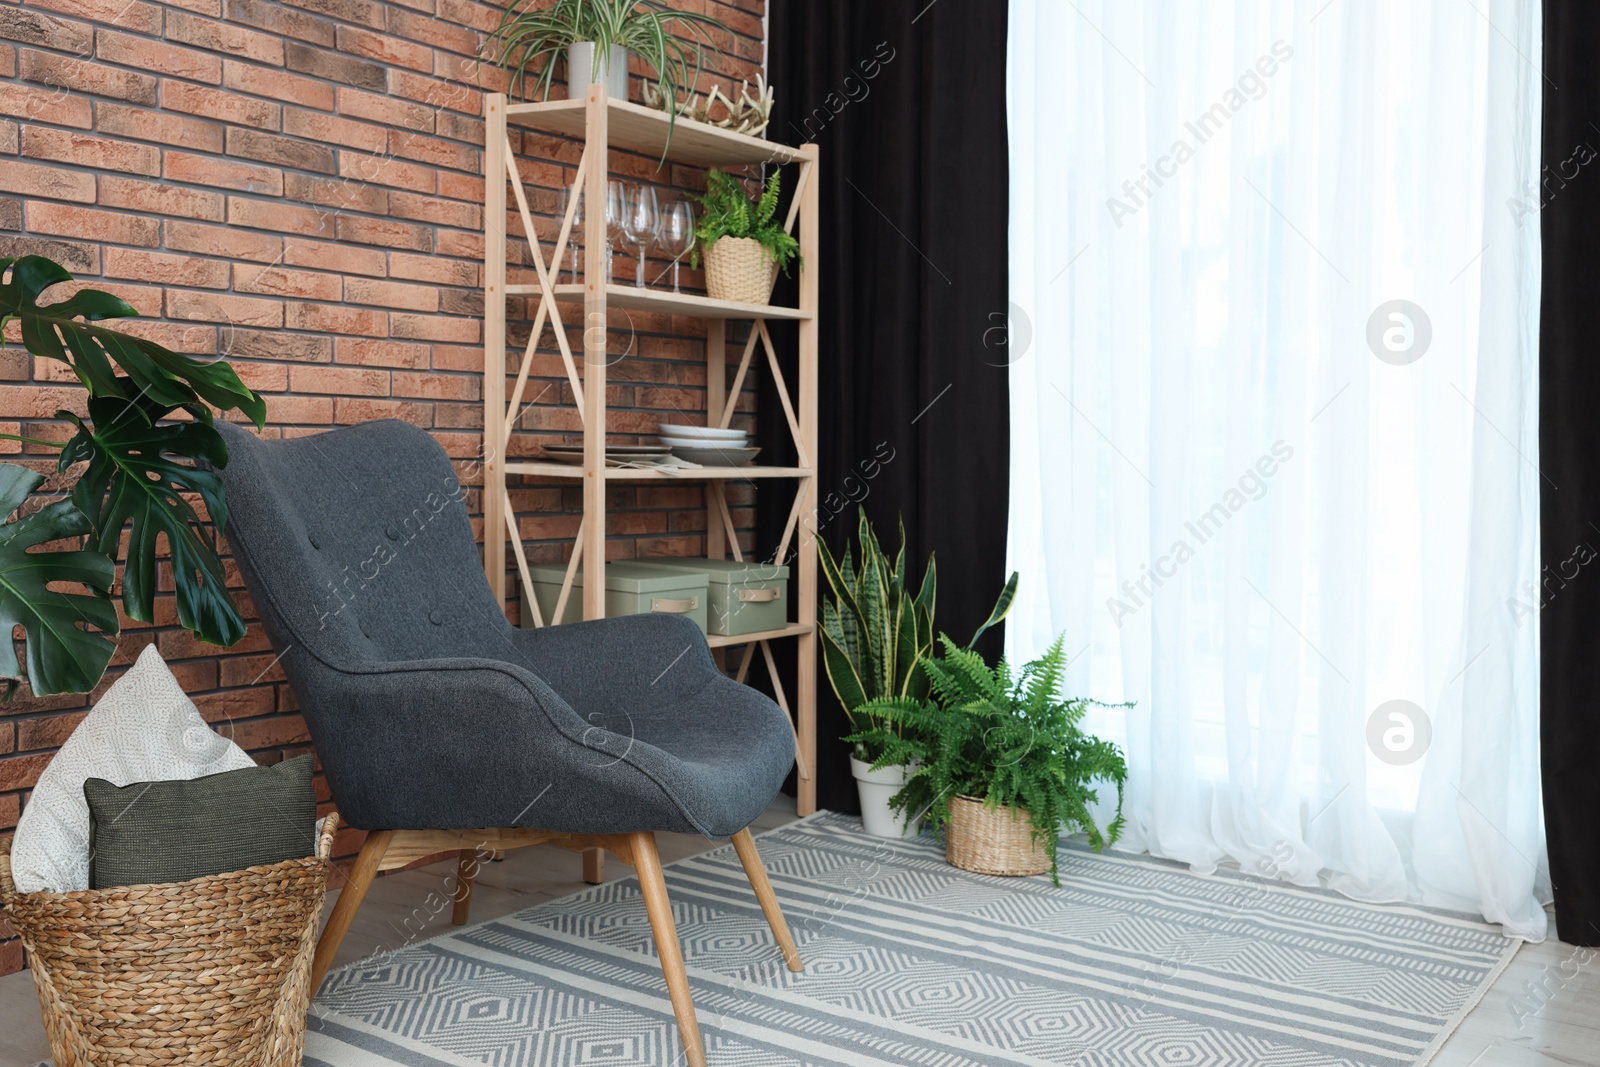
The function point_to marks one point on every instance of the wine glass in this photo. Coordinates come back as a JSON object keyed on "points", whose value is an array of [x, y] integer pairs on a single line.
{"points": [[676, 234], [639, 225], [619, 204], [568, 194]]}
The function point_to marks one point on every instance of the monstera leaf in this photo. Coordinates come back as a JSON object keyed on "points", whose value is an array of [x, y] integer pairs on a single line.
{"points": [[70, 636], [55, 332], [139, 472], [140, 476]]}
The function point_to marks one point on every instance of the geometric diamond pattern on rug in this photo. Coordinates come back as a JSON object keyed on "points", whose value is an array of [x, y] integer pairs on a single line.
{"points": [[1131, 962]]}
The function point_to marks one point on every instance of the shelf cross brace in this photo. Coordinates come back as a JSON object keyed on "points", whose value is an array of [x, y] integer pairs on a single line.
{"points": [[732, 401], [783, 393], [721, 498], [547, 301], [792, 525], [797, 199], [759, 333], [572, 570], [529, 601]]}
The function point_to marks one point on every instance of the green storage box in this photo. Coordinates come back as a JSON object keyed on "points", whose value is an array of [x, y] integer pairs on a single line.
{"points": [[631, 589], [745, 597]]}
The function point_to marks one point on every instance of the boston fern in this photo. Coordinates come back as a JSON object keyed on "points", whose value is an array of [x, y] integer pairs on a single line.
{"points": [[1002, 737], [725, 211], [148, 429]]}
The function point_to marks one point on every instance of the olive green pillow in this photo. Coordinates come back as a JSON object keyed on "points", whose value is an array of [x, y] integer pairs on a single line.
{"points": [[156, 832]]}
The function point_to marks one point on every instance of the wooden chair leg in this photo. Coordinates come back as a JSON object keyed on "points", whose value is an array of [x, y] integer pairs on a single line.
{"points": [[466, 871], [594, 866], [344, 912], [754, 870], [654, 885]]}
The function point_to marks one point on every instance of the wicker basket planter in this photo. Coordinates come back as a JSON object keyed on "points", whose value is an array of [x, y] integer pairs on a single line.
{"points": [[215, 971], [992, 840], [740, 269]]}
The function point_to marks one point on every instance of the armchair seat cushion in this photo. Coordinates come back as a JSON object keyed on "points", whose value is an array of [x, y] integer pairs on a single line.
{"points": [[722, 753], [649, 694]]}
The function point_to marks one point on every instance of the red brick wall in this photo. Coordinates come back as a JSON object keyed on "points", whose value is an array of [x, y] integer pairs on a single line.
{"points": [[298, 186]]}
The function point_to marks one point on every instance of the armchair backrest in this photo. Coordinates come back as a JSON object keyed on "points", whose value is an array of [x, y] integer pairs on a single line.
{"points": [[356, 546]]}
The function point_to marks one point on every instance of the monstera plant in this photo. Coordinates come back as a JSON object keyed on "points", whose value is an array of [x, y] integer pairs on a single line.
{"points": [[148, 432]]}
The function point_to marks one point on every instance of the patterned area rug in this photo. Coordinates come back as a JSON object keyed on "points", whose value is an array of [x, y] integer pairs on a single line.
{"points": [[1132, 961]]}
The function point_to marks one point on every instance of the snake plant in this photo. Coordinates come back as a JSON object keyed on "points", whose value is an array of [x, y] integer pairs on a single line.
{"points": [[876, 633], [149, 424], [533, 34]]}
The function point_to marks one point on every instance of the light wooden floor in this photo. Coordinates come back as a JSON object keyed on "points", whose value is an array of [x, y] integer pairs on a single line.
{"points": [[1543, 1010]]}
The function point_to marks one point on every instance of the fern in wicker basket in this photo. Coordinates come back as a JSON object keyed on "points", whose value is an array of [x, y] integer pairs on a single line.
{"points": [[1004, 736], [725, 211]]}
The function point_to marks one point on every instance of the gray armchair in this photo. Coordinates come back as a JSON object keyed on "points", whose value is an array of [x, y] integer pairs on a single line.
{"points": [[443, 728]]}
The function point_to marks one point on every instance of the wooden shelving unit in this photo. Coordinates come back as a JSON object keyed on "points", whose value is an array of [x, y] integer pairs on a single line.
{"points": [[602, 125]]}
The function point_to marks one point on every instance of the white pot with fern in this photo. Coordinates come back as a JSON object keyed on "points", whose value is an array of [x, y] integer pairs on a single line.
{"points": [[875, 633]]}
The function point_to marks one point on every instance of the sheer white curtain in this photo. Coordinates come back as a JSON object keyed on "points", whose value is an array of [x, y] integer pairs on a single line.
{"points": [[1274, 435]]}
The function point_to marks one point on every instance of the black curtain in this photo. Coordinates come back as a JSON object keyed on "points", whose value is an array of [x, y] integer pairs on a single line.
{"points": [[906, 101], [1569, 456]]}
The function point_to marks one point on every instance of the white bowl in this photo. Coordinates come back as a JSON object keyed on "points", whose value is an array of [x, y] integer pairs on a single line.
{"points": [[690, 442], [701, 433], [714, 456]]}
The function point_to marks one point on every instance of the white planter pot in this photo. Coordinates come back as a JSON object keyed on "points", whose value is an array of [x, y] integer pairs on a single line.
{"points": [[876, 788], [583, 70]]}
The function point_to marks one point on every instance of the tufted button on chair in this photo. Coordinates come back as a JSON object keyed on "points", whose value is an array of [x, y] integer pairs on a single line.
{"points": [[443, 728]]}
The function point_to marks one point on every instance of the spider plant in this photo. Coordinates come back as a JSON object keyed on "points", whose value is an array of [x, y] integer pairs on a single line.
{"points": [[534, 34]]}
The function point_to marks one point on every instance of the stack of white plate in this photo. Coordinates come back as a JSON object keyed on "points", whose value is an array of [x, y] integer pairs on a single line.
{"points": [[616, 455], [708, 445]]}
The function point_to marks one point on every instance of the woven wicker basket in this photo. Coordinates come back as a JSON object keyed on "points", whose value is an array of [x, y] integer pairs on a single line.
{"points": [[992, 840], [740, 269], [214, 971]]}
